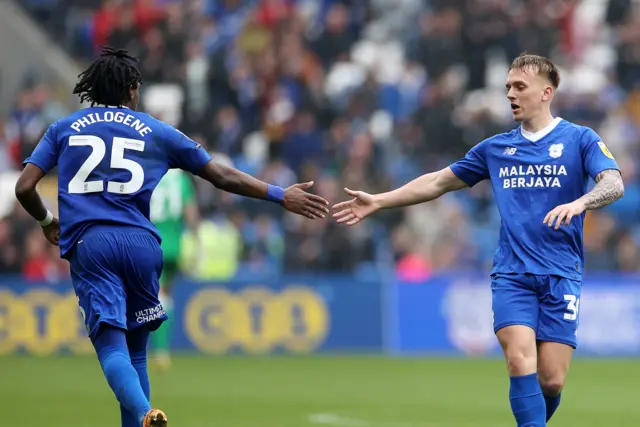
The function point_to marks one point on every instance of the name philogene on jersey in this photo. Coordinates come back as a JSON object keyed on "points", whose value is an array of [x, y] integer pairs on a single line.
{"points": [[111, 116], [522, 176]]}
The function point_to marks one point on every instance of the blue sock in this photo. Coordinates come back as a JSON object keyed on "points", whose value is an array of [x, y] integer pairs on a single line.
{"points": [[552, 404], [137, 343], [527, 402], [113, 354]]}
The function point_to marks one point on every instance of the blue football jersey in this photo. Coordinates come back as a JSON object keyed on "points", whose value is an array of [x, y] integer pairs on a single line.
{"points": [[529, 179], [109, 162]]}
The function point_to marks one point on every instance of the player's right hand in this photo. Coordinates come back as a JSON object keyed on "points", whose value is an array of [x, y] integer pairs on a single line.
{"points": [[298, 201], [355, 210], [52, 232]]}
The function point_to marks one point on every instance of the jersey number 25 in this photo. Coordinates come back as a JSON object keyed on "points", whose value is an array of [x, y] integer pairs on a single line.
{"points": [[79, 183]]}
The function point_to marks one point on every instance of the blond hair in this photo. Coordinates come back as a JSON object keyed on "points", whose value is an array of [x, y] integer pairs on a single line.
{"points": [[540, 64]]}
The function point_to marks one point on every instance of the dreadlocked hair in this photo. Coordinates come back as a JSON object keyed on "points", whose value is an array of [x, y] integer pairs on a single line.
{"points": [[109, 78]]}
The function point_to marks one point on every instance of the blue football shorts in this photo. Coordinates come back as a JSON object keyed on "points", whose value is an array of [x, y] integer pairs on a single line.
{"points": [[115, 273], [548, 304]]}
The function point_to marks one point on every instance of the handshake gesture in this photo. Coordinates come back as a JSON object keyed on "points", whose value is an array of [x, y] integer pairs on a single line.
{"points": [[298, 201]]}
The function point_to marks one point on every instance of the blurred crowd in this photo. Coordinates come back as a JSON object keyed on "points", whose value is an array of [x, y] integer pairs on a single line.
{"points": [[348, 93]]}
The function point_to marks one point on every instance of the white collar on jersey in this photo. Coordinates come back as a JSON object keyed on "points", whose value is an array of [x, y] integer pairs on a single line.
{"points": [[536, 136]]}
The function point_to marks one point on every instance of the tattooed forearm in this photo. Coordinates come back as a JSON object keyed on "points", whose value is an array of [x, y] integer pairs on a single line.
{"points": [[609, 188]]}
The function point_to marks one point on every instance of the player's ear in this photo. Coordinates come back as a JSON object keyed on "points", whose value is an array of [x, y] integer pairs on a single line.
{"points": [[134, 90], [547, 94], [134, 95]]}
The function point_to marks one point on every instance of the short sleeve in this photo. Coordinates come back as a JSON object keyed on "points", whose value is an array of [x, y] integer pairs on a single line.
{"points": [[45, 155], [596, 157], [183, 152], [473, 167]]}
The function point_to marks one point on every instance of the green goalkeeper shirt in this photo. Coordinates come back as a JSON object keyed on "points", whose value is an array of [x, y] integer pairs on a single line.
{"points": [[167, 211]]}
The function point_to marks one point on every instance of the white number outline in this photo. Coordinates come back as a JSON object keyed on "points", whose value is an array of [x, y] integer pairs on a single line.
{"points": [[573, 306], [79, 184]]}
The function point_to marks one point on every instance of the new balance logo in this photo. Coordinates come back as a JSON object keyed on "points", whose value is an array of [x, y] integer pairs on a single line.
{"points": [[510, 151]]}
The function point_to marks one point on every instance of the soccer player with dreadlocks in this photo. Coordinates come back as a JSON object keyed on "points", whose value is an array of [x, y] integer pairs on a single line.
{"points": [[110, 158]]}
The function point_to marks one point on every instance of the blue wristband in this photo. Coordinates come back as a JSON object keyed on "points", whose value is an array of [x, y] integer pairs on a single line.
{"points": [[275, 194]]}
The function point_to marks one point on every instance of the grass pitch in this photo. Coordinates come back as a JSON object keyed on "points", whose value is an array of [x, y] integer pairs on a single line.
{"points": [[316, 391]]}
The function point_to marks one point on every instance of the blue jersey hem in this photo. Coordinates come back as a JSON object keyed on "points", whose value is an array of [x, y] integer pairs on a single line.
{"points": [[114, 227], [607, 169], [457, 174], [575, 277]]}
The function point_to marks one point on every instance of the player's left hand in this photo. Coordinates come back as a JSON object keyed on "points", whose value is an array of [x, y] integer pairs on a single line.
{"points": [[52, 232], [563, 214], [298, 201]]}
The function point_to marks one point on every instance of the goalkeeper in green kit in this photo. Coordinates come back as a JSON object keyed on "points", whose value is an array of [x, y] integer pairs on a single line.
{"points": [[173, 206]]}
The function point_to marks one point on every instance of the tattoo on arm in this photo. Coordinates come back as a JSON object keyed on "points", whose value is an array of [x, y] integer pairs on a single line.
{"points": [[609, 188]]}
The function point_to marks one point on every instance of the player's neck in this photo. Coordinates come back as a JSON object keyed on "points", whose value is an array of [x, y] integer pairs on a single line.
{"points": [[536, 124]]}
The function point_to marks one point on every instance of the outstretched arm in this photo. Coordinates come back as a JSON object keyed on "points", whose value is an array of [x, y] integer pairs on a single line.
{"points": [[234, 181], [190, 156], [423, 189], [609, 188], [294, 198]]}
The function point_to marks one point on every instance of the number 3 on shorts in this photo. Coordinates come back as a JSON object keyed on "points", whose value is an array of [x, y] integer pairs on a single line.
{"points": [[573, 306]]}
